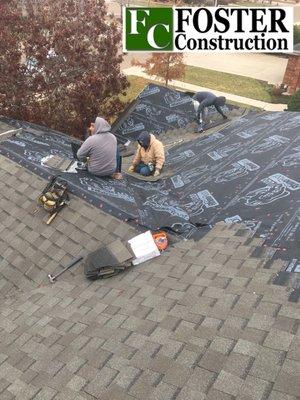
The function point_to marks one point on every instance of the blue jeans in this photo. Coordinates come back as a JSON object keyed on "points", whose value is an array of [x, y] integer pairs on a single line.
{"points": [[202, 112], [119, 161], [142, 169]]}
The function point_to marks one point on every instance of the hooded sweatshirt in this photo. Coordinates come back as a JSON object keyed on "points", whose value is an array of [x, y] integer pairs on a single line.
{"points": [[101, 148], [154, 153], [207, 99]]}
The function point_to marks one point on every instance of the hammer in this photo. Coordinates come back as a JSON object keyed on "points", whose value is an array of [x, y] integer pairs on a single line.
{"points": [[53, 278]]}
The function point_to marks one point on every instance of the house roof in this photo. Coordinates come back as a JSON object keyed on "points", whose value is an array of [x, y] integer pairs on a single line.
{"points": [[156, 109], [30, 249], [245, 170], [202, 321]]}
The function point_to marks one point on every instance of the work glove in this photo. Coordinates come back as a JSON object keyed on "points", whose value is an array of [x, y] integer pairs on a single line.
{"points": [[131, 168], [156, 172]]}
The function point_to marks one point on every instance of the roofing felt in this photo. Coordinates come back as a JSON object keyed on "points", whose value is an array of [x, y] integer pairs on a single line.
{"points": [[158, 109], [247, 171], [202, 321]]}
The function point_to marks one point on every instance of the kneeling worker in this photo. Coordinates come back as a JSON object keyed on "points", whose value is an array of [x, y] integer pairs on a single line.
{"points": [[101, 150], [202, 100], [149, 157]]}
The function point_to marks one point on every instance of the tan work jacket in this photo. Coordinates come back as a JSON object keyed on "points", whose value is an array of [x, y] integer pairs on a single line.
{"points": [[154, 153]]}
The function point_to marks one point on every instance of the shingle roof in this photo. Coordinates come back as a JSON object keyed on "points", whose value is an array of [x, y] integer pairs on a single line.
{"points": [[202, 321], [30, 249]]}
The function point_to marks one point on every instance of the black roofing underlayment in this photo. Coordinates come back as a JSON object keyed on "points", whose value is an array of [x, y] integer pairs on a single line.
{"points": [[158, 109], [248, 171]]}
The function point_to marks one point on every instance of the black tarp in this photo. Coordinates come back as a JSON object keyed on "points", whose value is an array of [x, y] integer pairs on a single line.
{"points": [[248, 171], [158, 109]]}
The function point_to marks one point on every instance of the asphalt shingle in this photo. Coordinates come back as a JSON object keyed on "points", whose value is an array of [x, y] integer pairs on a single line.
{"points": [[203, 321]]}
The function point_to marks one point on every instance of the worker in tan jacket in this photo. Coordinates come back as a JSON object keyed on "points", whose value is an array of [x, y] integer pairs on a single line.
{"points": [[149, 157]]}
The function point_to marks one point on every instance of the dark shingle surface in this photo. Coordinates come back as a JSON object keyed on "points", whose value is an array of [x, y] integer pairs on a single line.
{"points": [[30, 249], [203, 321]]}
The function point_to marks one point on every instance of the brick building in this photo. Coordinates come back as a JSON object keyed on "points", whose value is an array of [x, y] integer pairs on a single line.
{"points": [[292, 73]]}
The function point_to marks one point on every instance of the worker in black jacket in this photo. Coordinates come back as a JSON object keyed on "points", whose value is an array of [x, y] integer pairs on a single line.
{"points": [[202, 100]]}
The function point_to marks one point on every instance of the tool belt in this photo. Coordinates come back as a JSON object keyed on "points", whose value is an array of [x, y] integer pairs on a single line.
{"points": [[54, 196]]}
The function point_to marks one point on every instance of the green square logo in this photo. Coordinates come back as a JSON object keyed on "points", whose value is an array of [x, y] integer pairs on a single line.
{"points": [[148, 29]]}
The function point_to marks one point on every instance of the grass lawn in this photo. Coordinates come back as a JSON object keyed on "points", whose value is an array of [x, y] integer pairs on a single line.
{"points": [[230, 83], [137, 84]]}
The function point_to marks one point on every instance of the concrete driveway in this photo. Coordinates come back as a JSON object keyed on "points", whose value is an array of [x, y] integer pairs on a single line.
{"points": [[259, 66]]}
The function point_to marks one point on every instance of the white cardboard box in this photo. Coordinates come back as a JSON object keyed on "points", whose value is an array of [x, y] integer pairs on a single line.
{"points": [[143, 247]]}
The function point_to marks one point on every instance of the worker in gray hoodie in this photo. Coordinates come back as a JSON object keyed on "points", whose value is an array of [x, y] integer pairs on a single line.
{"points": [[101, 150]]}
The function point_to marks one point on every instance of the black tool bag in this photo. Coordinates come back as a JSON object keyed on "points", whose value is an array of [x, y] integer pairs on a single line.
{"points": [[55, 195], [107, 261]]}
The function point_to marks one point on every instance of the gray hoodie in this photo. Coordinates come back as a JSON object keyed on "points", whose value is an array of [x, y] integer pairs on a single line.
{"points": [[101, 148]]}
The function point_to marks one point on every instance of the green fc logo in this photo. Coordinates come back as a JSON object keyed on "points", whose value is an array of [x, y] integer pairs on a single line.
{"points": [[148, 29]]}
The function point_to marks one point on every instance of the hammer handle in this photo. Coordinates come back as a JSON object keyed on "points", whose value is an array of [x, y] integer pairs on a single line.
{"points": [[69, 265]]}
